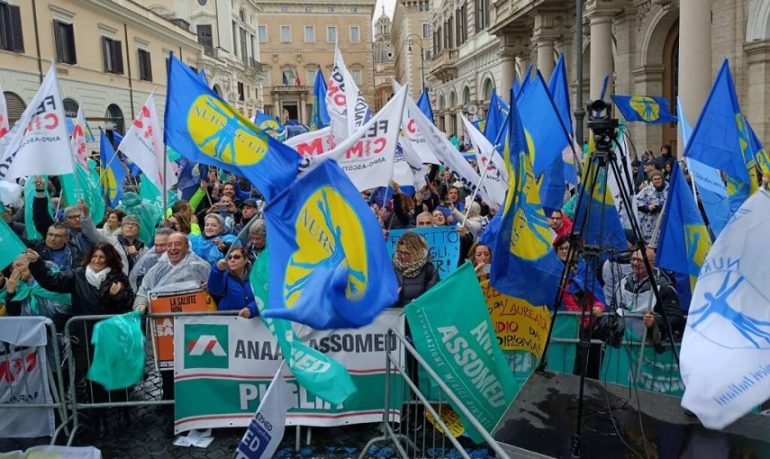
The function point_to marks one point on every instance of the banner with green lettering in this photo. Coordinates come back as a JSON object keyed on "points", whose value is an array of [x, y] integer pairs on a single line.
{"points": [[226, 364], [452, 330]]}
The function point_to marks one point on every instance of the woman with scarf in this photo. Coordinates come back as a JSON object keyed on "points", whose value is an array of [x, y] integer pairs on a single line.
{"points": [[229, 284], [99, 286], [214, 242], [414, 270], [650, 202]]}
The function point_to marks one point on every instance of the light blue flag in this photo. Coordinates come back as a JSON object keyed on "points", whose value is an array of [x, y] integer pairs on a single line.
{"points": [[205, 129], [113, 172], [423, 103], [320, 116], [548, 138], [558, 87], [522, 255], [645, 109], [720, 138], [684, 239], [524, 83], [710, 186], [516, 85], [329, 267]]}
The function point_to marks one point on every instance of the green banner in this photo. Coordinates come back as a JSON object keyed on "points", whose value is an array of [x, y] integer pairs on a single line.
{"points": [[321, 375], [451, 329]]}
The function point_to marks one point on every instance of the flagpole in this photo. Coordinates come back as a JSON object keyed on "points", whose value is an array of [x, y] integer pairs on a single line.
{"points": [[476, 190]]}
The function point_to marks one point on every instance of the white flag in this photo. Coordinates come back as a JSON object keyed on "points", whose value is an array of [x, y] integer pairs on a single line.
{"points": [[416, 141], [4, 122], [313, 143], [143, 143], [496, 180], [78, 139], [725, 357], [367, 155], [265, 431], [346, 105], [40, 145]]}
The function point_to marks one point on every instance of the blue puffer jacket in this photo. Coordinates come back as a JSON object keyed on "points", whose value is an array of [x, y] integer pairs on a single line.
{"points": [[231, 292], [205, 248]]}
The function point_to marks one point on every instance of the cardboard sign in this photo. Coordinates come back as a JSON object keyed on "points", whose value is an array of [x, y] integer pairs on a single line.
{"points": [[163, 327]]}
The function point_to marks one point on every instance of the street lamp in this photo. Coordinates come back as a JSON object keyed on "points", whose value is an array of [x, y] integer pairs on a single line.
{"points": [[410, 41]]}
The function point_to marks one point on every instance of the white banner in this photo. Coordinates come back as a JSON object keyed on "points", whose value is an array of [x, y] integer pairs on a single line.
{"points": [[313, 143], [78, 139], [24, 378], [228, 363], [5, 125], [496, 178], [39, 143]]}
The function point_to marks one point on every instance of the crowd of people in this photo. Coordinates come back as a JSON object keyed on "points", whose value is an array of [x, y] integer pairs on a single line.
{"points": [[82, 267]]}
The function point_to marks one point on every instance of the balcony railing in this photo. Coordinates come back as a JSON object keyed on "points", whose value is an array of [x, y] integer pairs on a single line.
{"points": [[443, 65]]}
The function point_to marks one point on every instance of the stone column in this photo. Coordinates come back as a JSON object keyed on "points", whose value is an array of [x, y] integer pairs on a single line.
{"points": [[694, 57], [601, 53], [543, 39], [508, 71]]}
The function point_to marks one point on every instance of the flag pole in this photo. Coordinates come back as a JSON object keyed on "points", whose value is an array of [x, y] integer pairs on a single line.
{"points": [[476, 191]]}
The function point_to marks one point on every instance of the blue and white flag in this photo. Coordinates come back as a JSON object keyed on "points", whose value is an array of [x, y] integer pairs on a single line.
{"points": [[725, 357], [265, 431]]}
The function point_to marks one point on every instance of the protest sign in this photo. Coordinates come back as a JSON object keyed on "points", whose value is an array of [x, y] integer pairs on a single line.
{"points": [[443, 246], [519, 326], [451, 329], [228, 363], [163, 327]]}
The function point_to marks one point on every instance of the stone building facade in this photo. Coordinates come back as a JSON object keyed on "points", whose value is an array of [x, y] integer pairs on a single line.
{"points": [[647, 47], [296, 36], [411, 38], [383, 56]]}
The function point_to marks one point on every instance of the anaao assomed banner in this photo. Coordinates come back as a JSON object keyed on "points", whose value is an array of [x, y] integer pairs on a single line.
{"points": [[228, 363]]}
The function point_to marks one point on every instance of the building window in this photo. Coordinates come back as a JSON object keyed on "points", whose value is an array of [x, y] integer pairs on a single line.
{"points": [[285, 34], [206, 39], [64, 38], [331, 34], [262, 32], [235, 38], [309, 34], [355, 34], [358, 75], [240, 91], [113, 55], [482, 14], [11, 38], [145, 65], [244, 50], [425, 30]]}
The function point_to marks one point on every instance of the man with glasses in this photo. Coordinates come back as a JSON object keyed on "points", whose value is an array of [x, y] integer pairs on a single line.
{"points": [[72, 218], [150, 257], [635, 295], [560, 224], [57, 248]]}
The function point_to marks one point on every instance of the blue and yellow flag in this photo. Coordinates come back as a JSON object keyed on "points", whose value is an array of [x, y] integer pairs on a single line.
{"points": [[558, 87], [496, 114], [645, 109], [270, 125], [721, 138], [423, 103], [760, 154], [684, 239], [523, 256], [205, 129], [329, 267], [547, 139], [320, 117], [596, 217], [113, 173]]}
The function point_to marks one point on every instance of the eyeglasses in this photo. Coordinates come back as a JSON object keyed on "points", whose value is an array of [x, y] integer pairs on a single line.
{"points": [[234, 257]]}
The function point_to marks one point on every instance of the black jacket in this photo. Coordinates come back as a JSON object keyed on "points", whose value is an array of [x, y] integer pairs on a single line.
{"points": [[630, 288], [45, 253], [86, 299], [43, 221], [412, 287]]}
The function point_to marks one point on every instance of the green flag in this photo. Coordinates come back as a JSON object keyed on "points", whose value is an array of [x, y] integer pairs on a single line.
{"points": [[29, 197], [87, 188], [452, 331], [321, 375], [11, 244]]}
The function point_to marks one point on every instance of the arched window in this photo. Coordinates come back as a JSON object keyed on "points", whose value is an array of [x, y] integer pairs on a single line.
{"points": [[115, 115], [489, 85], [441, 102], [452, 99], [671, 81], [70, 107], [15, 105], [217, 89], [466, 95]]}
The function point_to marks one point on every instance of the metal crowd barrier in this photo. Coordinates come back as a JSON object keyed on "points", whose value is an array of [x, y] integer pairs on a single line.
{"points": [[412, 434], [62, 415], [90, 399]]}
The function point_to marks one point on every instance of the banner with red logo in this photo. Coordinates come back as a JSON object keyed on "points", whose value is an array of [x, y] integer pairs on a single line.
{"points": [[143, 143], [38, 144], [24, 378], [4, 123]]}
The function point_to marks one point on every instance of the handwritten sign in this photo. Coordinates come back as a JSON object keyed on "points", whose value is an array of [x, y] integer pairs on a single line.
{"points": [[443, 246], [519, 325]]}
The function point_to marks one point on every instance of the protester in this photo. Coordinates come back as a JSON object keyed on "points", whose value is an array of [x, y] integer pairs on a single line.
{"points": [[666, 157], [481, 257], [214, 242], [635, 294], [576, 294], [473, 222], [560, 224], [439, 219], [257, 240], [111, 224], [229, 284], [25, 297], [57, 247], [414, 270], [424, 220], [150, 257], [650, 202], [249, 210], [72, 218], [98, 286]]}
